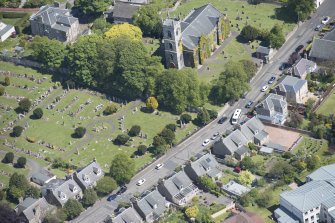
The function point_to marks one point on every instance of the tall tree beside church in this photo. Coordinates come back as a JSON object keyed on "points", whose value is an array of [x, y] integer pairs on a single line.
{"points": [[92, 6], [148, 19], [124, 30]]}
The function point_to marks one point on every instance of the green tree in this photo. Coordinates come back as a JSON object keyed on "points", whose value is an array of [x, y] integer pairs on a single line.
{"points": [[263, 200], [121, 139], [172, 127], [158, 141], [18, 186], [17, 131], [7, 81], [212, 114], [248, 164], [302, 8], [24, 104], [80, 132], [206, 183], [250, 33], [50, 53], [110, 109], [230, 85], [89, 198], [309, 106], [276, 38], [159, 150], [100, 25], [282, 170], [38, 113], [141, 150], [168, 135], [2, 90], [21, 162], [122, 168], [192, 212], [9, 157], [33, 192], [186, 118], [313, 162], [72, 209], [149, 20], [246, 178], [124, 30], [204, 217], [203, 116], [134, 130], [105, 185], [249, 67], [93, 6]]}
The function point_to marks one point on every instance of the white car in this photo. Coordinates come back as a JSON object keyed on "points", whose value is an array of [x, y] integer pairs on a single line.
{"points": [[215, 135], [264, 88], [158, 166], [140, 182], [206, 142], [325, 20]]}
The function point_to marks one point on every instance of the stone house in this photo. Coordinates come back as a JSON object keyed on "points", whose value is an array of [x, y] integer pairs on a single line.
{"points": [[304, 67], [295, 90], [88, 176], [33, 210]]}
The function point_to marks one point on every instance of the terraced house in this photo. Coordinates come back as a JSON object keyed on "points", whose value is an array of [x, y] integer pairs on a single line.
{"points": [[189, 42]]}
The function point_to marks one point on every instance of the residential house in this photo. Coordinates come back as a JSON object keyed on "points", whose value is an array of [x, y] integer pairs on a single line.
{"points": [[293, 89], [272, 109], [235, 189], [244, 217], [42, 178], [323, 173], [88, 177], [178, 189], [152, 206], [190, 41], [55, 23], [6, 31], [264, 53], [205, 165], [33, 210], [123, 12], [58, 192], [304, 67], [323, 49], [254, 131], [234, 145], [127, 216]]}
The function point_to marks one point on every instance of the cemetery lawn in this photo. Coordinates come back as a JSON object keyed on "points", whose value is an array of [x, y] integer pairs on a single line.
{"points": [[6, 170]]}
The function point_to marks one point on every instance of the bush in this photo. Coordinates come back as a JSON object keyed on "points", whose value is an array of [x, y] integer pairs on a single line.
{"points": [[21, 162], [250, 33], [121, 139], [72, 209], [110, 109], [38, 113], [186, 118], [141, 150], [17, 131], [134, 131], [9, 157], [80, 132], [172, 127], [212, 114], [7, 81], [2, 90], [25, 104], [152, 103]]}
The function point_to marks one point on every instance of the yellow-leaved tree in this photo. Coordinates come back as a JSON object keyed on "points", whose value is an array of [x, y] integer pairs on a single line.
{"points": [[152, 103], [124, 30], [192, 212], [246, 178]]}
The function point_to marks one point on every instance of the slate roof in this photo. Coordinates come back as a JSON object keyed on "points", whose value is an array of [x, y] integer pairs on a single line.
{"points": [[285, 216], [90, 173], [263, 50], [66, 190], [200, 21], [29, 204], [330, 35], [234, 141], [242, 150], [4, 28], [57, 18], [323, 49], [206, 164], [244, 217], [124, 10], [274, 102], [235, 188], [323, 173], [329, 203], [309, 195], [267, 150], [252, 128], [291, 84], [128, 216], [303, 66], [154, 203]]}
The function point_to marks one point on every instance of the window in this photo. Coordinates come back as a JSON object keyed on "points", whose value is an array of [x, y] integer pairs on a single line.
{"points": [[306, 220], [169, 34], [312, 218], [170, 46], [171, 57]]}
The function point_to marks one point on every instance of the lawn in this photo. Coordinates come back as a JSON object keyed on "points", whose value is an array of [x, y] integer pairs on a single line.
{"points": [[151, 44], [327, 107], [7, 169]]}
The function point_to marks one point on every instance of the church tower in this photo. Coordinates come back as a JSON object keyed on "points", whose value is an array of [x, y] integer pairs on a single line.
{"points": [[172, 40]]}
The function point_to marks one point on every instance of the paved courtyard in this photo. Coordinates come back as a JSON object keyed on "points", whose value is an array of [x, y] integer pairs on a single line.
{"points": [[281, 136]]}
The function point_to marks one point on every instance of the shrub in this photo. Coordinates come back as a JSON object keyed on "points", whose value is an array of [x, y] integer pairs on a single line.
{"points": [[31, 139], [72, 209], [121, 139], [38, 113], [9, 157], [25, 104], [2, 90], [21, 162], [141, 150], [110, 109], [250, 33], [172, 127], [7, 81], [186, 118], [17, 131], [152, 103], [80, 132], [212, 114], [134, 130]]}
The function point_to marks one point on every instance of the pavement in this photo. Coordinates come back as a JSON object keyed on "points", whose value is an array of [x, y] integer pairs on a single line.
{"points": [[181, 153]]}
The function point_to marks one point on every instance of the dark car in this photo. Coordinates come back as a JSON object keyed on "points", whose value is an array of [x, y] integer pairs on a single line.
{"points": [[122, 190], [300, 47], [249, 104], [222, 120], [112, 197], [272, 79]]}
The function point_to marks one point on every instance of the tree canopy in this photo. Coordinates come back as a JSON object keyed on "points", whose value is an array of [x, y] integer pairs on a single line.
{"points": [[25, 104], [122, 168], [124, 30], [148, 19], [92, 6], [89, 198], [106, 185], [276, 38], [302, 8], [72, 209]]}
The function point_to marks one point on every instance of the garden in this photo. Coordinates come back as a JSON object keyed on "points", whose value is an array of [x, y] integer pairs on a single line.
{"points": [[327, 107]]}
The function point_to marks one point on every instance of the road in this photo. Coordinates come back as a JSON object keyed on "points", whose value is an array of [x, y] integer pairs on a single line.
{"points": [[190, 147]]}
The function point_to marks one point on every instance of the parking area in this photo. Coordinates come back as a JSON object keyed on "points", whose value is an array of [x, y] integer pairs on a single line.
{"points": [[283, 137]]}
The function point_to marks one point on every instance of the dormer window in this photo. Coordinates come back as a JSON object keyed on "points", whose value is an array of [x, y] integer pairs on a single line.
{"points": [[61, 195], [155, 206], [73, 188], [97, 171], [169, 34], [86, 178], [256, 132]]}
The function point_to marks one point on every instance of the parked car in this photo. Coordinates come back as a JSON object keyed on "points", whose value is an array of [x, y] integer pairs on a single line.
{"points": [[158, 166], [112, 197], [272, 79], [249, 104], [325, 20], [206, 142], [300, 47], [264, 88], [215, 135], [283, 66], [140, 182], [222, 120], [318, 28], [122, 190]]}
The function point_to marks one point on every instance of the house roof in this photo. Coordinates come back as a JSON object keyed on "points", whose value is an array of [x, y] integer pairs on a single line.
{"points": [[200, 21], [234, 140], [310, 195], [244, 217], [252, 128], [285, 216], [242, 150], [235, 188], [275, 146], [66, 190], [323, 173], [127, 216], [303, 66], [330, 35], [206, 164], [29, 206], [154, 203], [323, 49], [267, 150], [4, 28], [124, 10], [90, 173], [329, 203], [263, 50], [291, 84], [273, 102]]}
